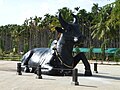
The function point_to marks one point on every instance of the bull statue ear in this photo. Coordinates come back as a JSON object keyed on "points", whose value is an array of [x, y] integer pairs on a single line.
{"points": [[59, 29]]}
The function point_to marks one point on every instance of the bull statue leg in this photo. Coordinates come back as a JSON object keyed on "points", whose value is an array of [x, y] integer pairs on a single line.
{"points": [[81, 56], [26, 60]]}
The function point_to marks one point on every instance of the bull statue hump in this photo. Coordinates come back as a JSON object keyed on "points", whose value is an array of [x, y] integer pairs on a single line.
{"points": [[59, 56]]}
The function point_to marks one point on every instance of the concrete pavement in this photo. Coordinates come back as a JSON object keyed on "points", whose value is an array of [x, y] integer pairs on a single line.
{"points": [[107, 78]]}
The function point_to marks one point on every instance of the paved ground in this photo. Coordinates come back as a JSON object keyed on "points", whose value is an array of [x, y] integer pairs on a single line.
{"points": [[107, 78]]}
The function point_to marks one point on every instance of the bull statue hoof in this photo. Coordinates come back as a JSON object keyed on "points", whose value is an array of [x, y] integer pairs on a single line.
{"points": [[26, 69], [88, 73]]}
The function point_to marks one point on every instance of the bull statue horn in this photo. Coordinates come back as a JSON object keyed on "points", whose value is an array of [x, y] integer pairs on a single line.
{"points": [[76, 19], [63, 23]]}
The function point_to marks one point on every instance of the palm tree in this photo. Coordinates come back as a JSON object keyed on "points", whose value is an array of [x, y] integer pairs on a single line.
{"points": [[1, 39], [102, 30], [114, 19], [85, 19], [26, 34], [95, 9], [37, 22]]}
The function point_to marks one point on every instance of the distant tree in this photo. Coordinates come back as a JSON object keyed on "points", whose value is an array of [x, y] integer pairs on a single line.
{"points": [[114, 20]]}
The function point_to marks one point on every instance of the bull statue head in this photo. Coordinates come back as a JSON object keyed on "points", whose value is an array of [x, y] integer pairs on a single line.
{"points": [[70, 31]]}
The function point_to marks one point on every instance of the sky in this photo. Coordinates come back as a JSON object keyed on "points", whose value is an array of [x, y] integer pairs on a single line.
{"points": [[16, 11]]}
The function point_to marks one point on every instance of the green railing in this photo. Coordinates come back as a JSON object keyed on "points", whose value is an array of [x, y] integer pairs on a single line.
{"points": [[96, 50], [110, 53]]}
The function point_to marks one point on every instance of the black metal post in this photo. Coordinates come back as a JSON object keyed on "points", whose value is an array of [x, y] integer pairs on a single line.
{"points": [[19, 69], [39, 72], [75, 76], [95, 67]]}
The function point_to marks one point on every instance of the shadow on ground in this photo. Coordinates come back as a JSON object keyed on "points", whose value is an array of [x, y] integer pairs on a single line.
{"points": [[101, 76]]}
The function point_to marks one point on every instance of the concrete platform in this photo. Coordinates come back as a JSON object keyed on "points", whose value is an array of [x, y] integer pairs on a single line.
{"points": [[107, 78]]}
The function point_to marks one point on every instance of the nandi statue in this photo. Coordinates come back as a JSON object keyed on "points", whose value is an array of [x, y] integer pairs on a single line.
{"points": [[58, 57]]}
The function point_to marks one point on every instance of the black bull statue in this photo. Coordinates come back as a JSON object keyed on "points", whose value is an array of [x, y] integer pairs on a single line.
{"points": [[58, 58]]}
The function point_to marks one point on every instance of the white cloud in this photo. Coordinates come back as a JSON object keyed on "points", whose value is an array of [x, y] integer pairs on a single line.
{"points": [[16, 11], [1, 2]]}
